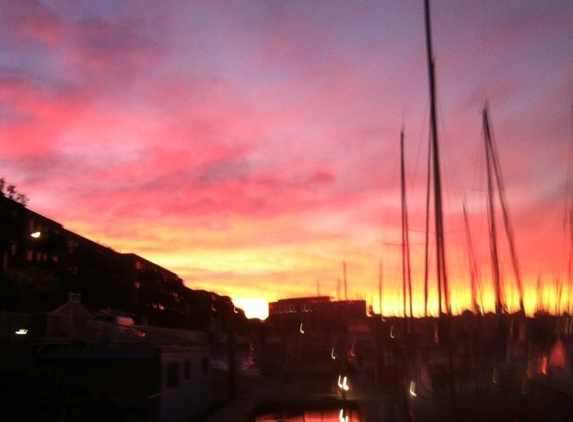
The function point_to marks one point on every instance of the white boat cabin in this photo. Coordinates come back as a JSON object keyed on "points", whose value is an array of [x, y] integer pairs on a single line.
{"points": [[133, 382]]}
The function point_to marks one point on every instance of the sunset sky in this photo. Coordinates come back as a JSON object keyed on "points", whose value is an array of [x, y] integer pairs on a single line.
{"points": [[252, 147]]}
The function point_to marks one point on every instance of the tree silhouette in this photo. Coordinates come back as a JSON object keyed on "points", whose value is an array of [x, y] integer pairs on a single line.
{"points": [[12, 193]]}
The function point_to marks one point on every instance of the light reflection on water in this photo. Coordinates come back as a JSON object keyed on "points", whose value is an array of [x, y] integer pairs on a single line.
{"points": [[340, 415]]}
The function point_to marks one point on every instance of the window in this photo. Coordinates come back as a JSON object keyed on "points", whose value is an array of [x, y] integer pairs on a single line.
{"points": [[172, 375], [187, 370], [205, 367], [72, 245]]}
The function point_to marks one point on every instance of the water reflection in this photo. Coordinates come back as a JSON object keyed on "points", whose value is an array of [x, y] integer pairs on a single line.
{"points": [[309, 416], [308, 411]]}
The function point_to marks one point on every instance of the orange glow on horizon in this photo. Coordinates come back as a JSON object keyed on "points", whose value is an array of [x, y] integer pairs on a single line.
{"points": [[253, 307], [461, 300], [201, 158], [294, 273]]}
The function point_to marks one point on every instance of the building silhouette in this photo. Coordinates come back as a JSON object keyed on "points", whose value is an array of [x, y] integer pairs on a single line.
{"points": [[42, 262]]}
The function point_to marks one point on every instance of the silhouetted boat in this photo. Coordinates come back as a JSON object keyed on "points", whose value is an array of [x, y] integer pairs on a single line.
{"points": [[461, 376], [550, 364], [550, 372]]}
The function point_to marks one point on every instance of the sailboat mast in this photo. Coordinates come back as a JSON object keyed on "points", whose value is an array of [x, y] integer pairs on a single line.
{"points": [[492, 157], [345, 282], [380, 288], [406, 272], [568, 222], [570, 263], [569, 212], [473, 267], [491, 217], [438, 218], [427, 231], [539, 296]]}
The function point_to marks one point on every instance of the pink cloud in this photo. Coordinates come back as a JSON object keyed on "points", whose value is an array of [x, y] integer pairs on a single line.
{"points": [[259, 146]]}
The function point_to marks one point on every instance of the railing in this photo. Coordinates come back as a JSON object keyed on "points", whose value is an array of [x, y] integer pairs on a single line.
{"points": [[52, 328], [35, 327]]}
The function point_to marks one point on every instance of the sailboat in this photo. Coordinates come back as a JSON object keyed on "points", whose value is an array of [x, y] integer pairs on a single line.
{"points": [[494, 176], [550, 361], [448, 380], [406, 272]]}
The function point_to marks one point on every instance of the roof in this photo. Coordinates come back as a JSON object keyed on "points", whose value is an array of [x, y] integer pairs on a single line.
{"points": [[104, 353], [73, 307]]}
